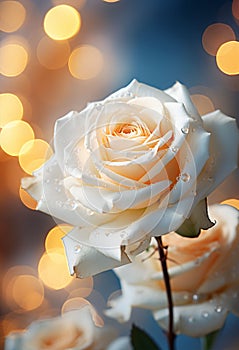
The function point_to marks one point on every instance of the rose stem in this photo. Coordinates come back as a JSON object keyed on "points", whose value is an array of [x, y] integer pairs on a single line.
{"points": [[163, 259]]}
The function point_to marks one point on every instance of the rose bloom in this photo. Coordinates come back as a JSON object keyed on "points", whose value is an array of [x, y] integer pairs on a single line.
{"points": [[75, 330], [133, 166], [204, 274]]}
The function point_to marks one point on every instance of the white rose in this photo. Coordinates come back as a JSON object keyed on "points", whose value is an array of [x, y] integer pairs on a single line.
{"points": [[130, 167], [204, 274], [75, 330]]}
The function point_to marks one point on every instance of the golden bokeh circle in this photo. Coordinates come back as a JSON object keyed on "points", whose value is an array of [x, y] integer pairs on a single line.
{"points": [[14, 135], [227, 58], [13, 59], [12, 16], [11, 108], [34, 154], [85, 62], [215, 35], [53, 54], [53, 270], [62, 22]]}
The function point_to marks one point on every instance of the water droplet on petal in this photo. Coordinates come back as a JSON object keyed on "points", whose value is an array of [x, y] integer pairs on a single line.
{"points": [[193, 129], [185, 177], [205, 314], [59, 204], [218, 308], [195, 297], [185, 130], [210, 179], [58, 189], [47, 181], [191, 319], [77, 248], [174, 149]]}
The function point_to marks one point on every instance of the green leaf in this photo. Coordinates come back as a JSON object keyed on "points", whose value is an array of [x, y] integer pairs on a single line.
{"points": [[198, 220], [141, 340], [208, 341]]}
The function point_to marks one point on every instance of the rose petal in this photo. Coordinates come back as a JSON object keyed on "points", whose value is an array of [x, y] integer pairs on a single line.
{"points": [[181, 94], [195, 320], [223, 152], [122, 343], [86, 261]]}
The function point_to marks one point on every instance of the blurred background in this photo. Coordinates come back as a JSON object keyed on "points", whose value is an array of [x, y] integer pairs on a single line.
{"points": [[55, 56]]}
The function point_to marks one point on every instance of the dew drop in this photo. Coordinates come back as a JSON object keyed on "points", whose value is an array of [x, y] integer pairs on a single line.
{"points": [[47, 181], [193, 129], [185, 177], [77, 248], [59, 204], [205, 314], [70, 204], [191, 319], [218, 308], [195, 298], [58, 189], [210, 179], [185, 130], [174, 149]]}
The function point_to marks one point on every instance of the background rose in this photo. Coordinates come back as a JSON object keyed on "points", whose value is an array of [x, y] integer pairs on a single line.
{"points": [[75, 330], [133, 166], [204, 275]]}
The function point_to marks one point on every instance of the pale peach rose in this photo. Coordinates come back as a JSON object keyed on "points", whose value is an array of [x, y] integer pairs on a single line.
{"points": [[74, 330], [204, 274], [132, 166]]}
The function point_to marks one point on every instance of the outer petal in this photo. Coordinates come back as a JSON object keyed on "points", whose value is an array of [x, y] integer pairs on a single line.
{"points": [[181, 94], [87, 261], [223, 152], [140, 90], [122, 343], [195, 320], [14, 341]]}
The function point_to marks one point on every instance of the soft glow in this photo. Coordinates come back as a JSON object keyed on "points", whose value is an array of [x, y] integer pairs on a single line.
{"points": [[54, 237], [9, 280], [27, 200], [13, 59], [12, 16], [53, 270], [215, 35], [53, 54], [235, 9], [34, 154], [77, 3], [228, 58], [111, 0], [10, 108], [203, 103], [233, 202], [85, 62], [28, 292], [62, 22], [14, 135]]}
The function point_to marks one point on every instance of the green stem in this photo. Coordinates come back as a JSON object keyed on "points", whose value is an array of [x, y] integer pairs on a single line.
{"points": [[208, 340], [163, 260]]}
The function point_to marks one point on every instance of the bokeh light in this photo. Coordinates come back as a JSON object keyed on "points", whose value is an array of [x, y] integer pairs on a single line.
{"points": [[14, 135], [235, 9], [13, 59], [53, 239], [111, 0], [11, 108], [62, 22], [203, 103], [27, 200], [227, 58], [85, 62], [233, 202], [215, 35], [12, 17], [28, 292], [53, 54], [34, 154], [53, 270], [76, 3]]}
